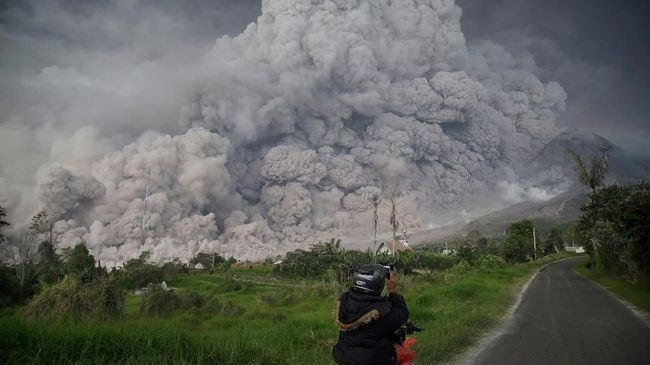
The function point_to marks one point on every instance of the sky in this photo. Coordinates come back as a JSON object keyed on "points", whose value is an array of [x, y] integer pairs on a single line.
{"points": [[596, 49], [272, 131]]}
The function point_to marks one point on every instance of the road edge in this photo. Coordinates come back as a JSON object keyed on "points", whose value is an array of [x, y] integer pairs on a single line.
{"points": [[470, 355], [642, 315]]}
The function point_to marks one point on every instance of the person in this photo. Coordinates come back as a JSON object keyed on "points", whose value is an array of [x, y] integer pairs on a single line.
{"points": [[367, 320]]}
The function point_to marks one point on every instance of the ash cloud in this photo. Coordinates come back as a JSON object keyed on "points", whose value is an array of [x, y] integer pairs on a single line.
{"points": [[288, 128]]}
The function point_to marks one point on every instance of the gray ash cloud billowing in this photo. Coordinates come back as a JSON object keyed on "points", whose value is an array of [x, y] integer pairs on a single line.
{"points": [[293, 124]]}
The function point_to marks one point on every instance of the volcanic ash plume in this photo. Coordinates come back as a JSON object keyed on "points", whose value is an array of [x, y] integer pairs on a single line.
{"points": [[299, 120]]}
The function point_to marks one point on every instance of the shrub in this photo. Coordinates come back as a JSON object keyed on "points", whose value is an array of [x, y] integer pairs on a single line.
{"points": [[616, 229], [433, 261], [231, 285], [192, 300], [488, 262], [10, 291], [159, 302], [72, 298], [231, 308], [212, 305]]}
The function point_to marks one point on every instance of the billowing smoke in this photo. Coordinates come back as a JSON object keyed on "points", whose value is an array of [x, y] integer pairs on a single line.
{"points": [[294, 124]]}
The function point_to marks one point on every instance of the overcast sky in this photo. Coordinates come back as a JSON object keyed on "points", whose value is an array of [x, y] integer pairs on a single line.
{"points": [[597, 49], [95, 92]]}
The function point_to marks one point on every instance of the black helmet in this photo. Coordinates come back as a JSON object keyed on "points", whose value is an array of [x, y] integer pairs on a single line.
{"points": [[370, 279]]}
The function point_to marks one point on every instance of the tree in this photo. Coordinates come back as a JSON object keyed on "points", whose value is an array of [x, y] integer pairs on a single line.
{"points": [[616, 228], [23, 252], [593, 176], [554, 243], [50, 268], [518, 245], [3, 224], [43, 225], [207, 260], [81, 263], [473, 236]]}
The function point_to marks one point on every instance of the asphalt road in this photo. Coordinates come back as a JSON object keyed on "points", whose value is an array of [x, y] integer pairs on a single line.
{"points": [[564, 318]]}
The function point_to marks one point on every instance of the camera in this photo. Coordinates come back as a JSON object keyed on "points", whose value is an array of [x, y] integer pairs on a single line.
{"points": [[389, 270]]}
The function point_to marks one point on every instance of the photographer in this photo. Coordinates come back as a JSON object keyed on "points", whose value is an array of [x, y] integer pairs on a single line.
{"points": [[367, 320]]}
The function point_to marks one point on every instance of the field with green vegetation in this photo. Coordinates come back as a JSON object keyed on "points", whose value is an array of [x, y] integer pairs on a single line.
{"points": [[619, 284], [249, 315]]}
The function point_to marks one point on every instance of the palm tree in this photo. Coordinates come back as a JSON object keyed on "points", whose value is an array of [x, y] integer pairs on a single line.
{"points": [[593, 176]]}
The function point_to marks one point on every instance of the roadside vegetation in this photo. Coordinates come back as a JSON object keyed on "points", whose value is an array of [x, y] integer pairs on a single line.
{"points": [[619, 285], [615, 230], [61, 306]]}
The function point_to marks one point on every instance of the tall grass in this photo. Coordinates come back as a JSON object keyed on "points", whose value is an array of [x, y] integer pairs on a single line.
{"points": [[245, 323]]}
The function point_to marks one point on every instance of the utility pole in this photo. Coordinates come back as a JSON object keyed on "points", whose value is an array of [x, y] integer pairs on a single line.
{"points": [[144, 211], [394, 222], [375, 223], [534, 245]]}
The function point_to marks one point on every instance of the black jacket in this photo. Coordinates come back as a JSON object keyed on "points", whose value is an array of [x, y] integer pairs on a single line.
{"points": [[367, 325]]}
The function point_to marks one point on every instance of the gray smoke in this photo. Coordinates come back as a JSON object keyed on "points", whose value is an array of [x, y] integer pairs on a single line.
{"points": [[295, 123]]}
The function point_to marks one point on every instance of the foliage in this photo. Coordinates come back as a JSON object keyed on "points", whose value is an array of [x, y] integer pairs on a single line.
{"points": [[488, 262], [159, 302], [518, 245], [80, 262], [43, 226], [639, 295], [467, 252], [554, 243], [312, 263], [50, 267], [593, 176], [207, 260], [138, 273], [75, 299], [616, 229], [286, 322], [10, 291], [436, 262], [174, 268]]}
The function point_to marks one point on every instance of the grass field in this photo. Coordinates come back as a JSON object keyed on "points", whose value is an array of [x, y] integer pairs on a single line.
{"points": [[634, 294], [251, 317]]}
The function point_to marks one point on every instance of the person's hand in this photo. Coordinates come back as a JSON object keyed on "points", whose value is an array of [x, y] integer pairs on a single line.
{"points": [[391, 284]]}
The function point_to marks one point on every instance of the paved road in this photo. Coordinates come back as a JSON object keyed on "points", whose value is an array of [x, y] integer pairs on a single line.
{"points": [[564, 318]]}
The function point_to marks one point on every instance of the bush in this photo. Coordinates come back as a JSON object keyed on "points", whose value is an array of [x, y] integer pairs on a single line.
{"points": [[616, 229], [192, 300], [488, 262], [136, 274], [10, 291], [231, 285], [435, 262], [159, 302], [212, 305], [72, 298]]}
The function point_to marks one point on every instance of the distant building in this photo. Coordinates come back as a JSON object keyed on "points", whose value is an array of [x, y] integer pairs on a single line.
{"points": [[448, 251], [575, 249]]}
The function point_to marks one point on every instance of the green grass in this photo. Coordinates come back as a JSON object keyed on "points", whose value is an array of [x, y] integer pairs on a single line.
{"points": [[616, 284], [272, 322]]}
